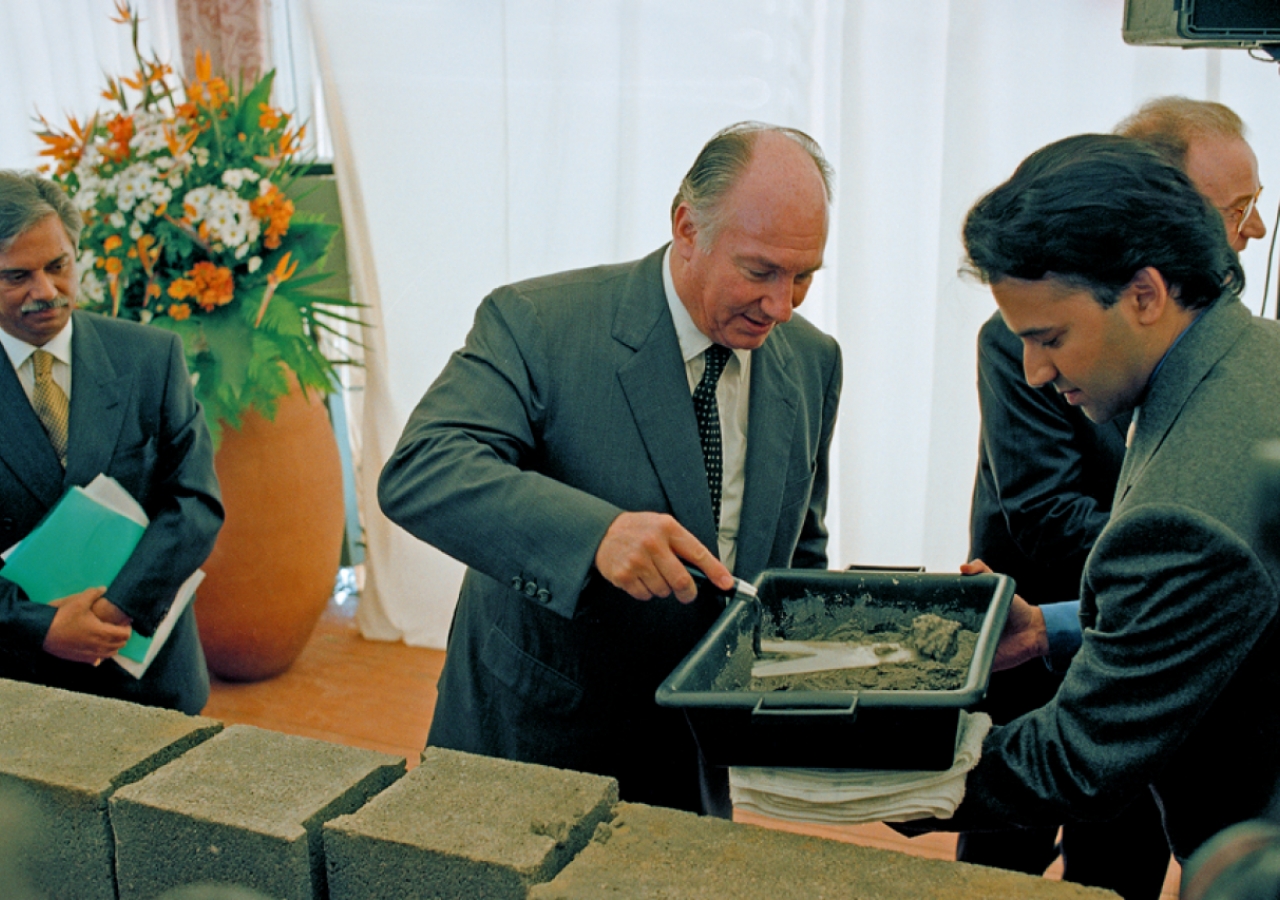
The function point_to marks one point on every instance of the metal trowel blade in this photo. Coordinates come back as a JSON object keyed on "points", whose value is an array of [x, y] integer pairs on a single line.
{"points": [[803, 657]]}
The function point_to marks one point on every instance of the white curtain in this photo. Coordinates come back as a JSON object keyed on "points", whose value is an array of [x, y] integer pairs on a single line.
{"points": [[484, 141]]}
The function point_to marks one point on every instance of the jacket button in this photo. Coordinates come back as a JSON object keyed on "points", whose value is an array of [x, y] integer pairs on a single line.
{"points": [[530, 589], [518, 583], [544, 596]]}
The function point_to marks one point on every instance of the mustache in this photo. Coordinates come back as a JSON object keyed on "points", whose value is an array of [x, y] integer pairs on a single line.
{"points": [[35, 306]]}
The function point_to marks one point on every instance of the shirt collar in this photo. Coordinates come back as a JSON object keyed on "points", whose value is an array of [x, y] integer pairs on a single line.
{"points": [[692, 341], [18, 350]]}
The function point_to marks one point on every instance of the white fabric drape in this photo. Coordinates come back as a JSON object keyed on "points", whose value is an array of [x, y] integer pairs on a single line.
{"points": [[481, 142], [493, 141]]}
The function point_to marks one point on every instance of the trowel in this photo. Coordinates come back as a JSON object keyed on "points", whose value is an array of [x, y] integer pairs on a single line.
{"points": [[804, 657]]}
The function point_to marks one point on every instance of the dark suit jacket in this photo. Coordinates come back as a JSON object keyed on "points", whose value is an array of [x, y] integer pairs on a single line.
{"points": [[1172, 685], [1046, 477], [568, 405], [133, 417]]}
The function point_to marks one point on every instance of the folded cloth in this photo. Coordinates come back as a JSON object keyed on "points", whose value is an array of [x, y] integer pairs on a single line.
{"points": [[849, 796]]}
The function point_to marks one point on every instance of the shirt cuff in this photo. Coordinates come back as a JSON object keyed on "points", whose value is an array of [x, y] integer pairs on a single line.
{"points": [[1062, 624]]}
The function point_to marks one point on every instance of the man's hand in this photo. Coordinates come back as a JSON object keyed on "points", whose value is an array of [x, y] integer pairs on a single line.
{"points": [[108, 612], [78, 635], [644, 554], [1024, 637]]}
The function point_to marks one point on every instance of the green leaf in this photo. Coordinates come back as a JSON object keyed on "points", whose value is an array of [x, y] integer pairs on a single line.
{"points": [[247, 120], [229, 340]]}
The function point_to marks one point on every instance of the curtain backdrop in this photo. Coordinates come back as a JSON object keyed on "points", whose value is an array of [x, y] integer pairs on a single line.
{"points": [[481, 142]]}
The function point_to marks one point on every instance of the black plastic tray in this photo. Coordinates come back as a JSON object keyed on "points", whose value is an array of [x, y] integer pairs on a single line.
{"points": [[869, 729]]}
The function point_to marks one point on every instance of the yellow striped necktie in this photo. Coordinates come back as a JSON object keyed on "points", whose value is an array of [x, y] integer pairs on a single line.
{"points": [[50, 403]]}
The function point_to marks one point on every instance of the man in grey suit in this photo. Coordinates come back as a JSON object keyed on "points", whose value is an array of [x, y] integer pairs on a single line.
{"points": [[1117, 276], [560, 457], [127, 410], [1046, 477]]}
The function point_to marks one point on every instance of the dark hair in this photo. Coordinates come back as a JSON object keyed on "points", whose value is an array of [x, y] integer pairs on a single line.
{"points": [[26, 200], [723, 159], [1094, 209]]}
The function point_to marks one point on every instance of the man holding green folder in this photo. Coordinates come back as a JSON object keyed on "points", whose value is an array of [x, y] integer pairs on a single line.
{"points": [[82, 395]]}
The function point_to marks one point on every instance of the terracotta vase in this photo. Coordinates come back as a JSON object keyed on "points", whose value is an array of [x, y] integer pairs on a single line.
{"points": [[273, 567]]}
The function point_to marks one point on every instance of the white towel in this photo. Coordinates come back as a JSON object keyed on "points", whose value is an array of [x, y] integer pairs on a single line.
{"points": [[848, 796]]}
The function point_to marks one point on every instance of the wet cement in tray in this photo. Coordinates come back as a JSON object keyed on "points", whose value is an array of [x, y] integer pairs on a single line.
{"points": [[943, 651]]}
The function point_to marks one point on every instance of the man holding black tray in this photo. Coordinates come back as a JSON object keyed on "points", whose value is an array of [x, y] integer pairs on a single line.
{"points": [[592, 438], [81, 395], [1046, 476], [1118, 278]]}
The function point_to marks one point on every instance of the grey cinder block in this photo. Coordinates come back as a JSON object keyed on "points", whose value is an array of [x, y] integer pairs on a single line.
{"points": [[663, 853], [245, 808], [467, 827], [62, 755]]}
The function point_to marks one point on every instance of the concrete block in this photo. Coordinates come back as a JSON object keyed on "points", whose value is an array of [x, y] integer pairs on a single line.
{"points": [[245, 808], [651, 852], [62, 755], [467, 827]]}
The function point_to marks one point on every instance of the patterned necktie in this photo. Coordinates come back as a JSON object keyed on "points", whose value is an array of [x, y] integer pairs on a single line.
{"points": [[50, 403], [704, 407]]}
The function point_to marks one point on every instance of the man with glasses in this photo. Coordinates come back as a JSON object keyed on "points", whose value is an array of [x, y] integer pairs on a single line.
{"points": [[1046, 475]]}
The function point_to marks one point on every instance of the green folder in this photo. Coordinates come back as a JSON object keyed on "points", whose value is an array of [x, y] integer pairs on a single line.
{"points": [[79, 545]]}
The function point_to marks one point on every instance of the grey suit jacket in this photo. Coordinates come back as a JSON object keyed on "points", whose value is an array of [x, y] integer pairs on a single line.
{"points": [[133, 417], [568, 405], [1174, 685]]}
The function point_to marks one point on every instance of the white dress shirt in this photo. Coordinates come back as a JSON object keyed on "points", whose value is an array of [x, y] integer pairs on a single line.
{"points": [[20, 351], [732, 396]]}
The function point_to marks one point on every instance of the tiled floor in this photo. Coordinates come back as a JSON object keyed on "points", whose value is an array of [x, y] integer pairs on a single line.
{"points": [[379, 695]]}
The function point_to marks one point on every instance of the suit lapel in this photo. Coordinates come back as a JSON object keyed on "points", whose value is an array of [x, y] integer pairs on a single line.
{"points": [[98, 397], [1209, 339], [770, 428], [657, 391], [26, 450]]}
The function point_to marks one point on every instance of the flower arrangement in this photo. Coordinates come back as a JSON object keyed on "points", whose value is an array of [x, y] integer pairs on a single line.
{"points": [[189, 226]]}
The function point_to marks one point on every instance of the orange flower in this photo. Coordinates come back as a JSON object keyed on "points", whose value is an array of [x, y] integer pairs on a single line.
{"points": [[270, 118], [112, 242], [276, 210], [121, 128], [282, 272], [204, 89], [180, 311], [124, 14], [114, 266], [63, 147], [153, 291], [209, 285]]}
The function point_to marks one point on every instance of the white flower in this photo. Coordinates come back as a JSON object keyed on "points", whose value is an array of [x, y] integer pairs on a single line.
{"points": [[201, 156], [234, 178], [134, 183], [135, 230], [144, 316], [230, 220], [116, 219], [91, 285], [255, 263]]}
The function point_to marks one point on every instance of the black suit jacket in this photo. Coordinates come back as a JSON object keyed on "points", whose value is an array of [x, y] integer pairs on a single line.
{"points": [[568, 405], [1046, 477], [133, 416]]}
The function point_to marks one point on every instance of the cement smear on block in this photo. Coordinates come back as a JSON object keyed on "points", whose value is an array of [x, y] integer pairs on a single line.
{"points": [[466, 826], [647, 852]]}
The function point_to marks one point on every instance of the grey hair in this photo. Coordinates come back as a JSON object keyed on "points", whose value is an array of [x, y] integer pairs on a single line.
{"points": [[723, 160], [26, 200], [1170, 124]]}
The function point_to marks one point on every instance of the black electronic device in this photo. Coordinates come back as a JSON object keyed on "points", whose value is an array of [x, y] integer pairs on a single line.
{"points": [[1203, 23]]}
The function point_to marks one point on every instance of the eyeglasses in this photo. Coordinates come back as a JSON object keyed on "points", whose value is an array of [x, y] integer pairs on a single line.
{"points": [[1238, 215]]}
